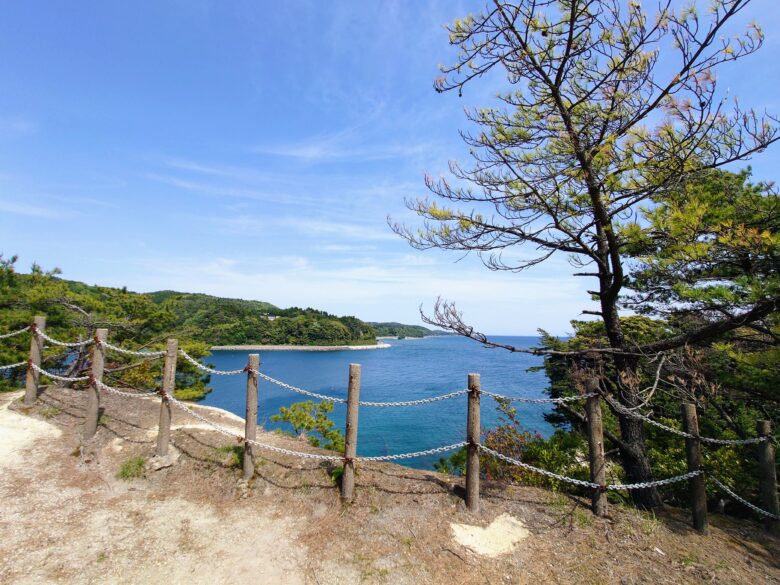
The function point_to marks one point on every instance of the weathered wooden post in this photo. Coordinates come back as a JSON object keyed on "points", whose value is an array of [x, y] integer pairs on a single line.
{"points": [[472, 449], [768, 478], [350, 439], [250, 429], [598, 471], [93, 393], [693, 456], [168, 388], [36, 349]]}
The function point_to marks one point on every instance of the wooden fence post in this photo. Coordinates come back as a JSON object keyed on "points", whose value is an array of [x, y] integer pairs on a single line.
{"points": [[693, 457], [250, 428], [93, 393], [168, 388], [36, 349], [350, 439], [472, 449], [768, 478], [598, 471]]}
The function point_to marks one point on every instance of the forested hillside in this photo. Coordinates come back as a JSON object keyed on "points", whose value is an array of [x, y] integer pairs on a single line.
{"points": [[223, 321], [74, 310], [393, 329]]}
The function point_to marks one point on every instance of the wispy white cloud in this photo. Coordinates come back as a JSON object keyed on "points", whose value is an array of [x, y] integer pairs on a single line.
{"points": [[216, 190], [345, 230], [355, 144], [27, 210], [228, 171], [493, 302], [296, 227], [321, 150], [348, 248], [16, 125]]}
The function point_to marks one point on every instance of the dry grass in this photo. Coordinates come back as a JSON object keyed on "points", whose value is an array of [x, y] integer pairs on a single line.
{"points": [[290, 516]]}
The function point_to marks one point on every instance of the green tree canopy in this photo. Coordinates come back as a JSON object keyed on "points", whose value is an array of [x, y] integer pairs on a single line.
{"points": [[607, 108]]}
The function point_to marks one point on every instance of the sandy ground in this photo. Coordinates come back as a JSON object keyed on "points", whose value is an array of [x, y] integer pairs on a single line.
{"points": [[66, 517], [102, 530]]}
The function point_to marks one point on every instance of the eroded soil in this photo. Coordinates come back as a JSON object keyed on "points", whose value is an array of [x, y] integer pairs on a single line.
{"points": [[66, 517]]}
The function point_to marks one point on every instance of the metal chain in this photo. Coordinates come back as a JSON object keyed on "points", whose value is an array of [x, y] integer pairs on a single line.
{"points": [[219, 428], [649, 420], [743, 500], [538, 470], [299, 390], [362, 402], [200, 366], [50, 339], [655, 423], [111, 390], [443, 449], [733, 441], [414, 402], [295, 453], [561, 400], [12, 366], [14, 333], [42, 335], [235, 435], [57, 377], [657, 483], [143, 353], [583, 483]]}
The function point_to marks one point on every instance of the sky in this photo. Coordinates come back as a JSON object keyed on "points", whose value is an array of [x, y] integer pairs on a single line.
{"points": [[256, 150]]}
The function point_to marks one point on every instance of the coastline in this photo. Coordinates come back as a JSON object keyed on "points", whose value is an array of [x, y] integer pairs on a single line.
{"points": [[297, 347], [408, 336]]}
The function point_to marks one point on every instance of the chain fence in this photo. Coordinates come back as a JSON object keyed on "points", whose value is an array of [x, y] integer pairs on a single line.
{"points": [[14, 333], [142, 352], [12, 366], [42, 335], [116, 391], [230, 433], [414, 402], [336, 399], [292, 388], [590, 484], [679, 433], [57, 376], [433, 451], [203, 368], [443, 449], [742, 500], [562, 400]]}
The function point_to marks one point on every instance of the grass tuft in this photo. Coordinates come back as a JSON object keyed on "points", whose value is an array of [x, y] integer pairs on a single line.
{"points": [[50, 412], [231, 455], [133, 468]]}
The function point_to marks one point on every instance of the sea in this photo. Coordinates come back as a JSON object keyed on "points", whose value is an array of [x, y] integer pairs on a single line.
{"points": [[408, 370]]}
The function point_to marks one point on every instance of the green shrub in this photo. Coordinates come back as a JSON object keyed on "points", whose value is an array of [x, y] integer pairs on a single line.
{"points": [[232, 455], [307, 417], [133, 468]]}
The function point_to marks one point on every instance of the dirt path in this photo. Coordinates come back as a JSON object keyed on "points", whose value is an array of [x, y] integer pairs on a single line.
{"points": [[92, 528], [65, 517]]}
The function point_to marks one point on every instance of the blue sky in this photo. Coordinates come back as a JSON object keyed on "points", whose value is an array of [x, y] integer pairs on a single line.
{"points": [[255, 151]]}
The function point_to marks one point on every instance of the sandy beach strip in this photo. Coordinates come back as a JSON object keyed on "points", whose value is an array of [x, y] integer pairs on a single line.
{"points": [[297, 347]]}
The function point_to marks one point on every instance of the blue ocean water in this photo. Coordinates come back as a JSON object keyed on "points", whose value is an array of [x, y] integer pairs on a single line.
{"points": [[409, 370]]}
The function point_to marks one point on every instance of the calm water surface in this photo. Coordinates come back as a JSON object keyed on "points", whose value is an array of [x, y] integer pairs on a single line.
{"points": [[409, 370]]}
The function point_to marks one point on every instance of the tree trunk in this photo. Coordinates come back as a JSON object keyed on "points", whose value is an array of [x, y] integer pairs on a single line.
{"points": [[633, 454], [636, 463]]}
